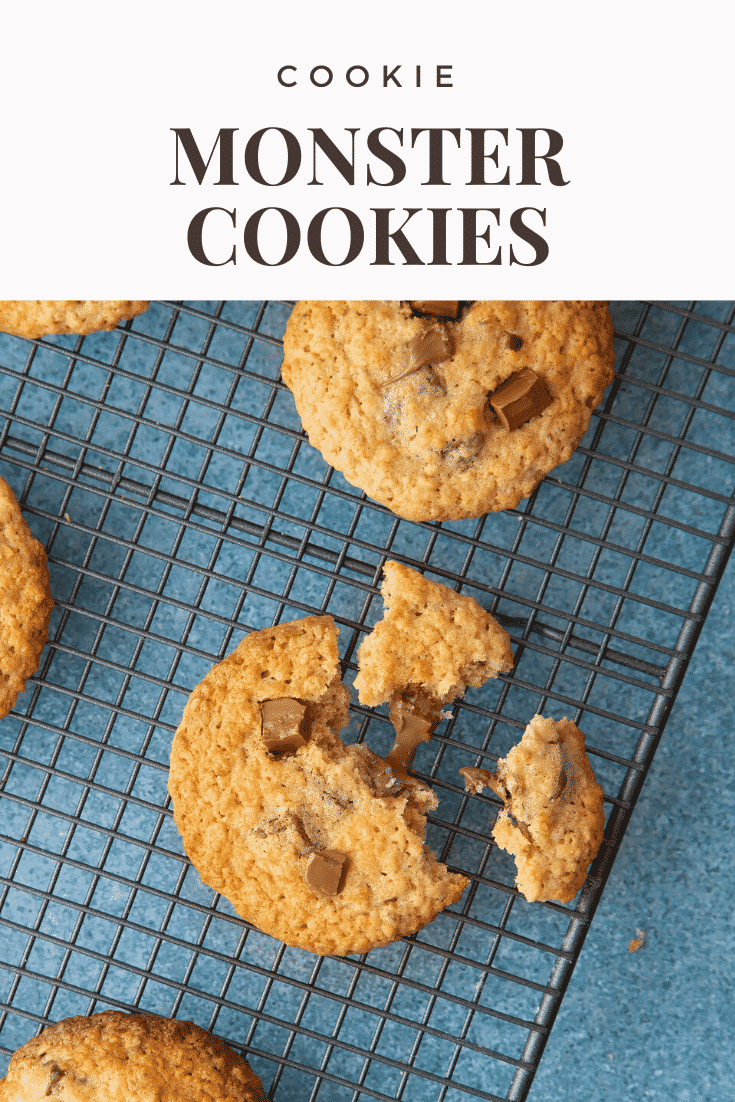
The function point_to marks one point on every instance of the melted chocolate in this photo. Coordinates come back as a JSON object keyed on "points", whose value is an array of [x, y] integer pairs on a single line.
{"points": [[414, 713]]}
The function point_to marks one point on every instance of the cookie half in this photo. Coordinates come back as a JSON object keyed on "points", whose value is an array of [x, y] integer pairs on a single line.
{"points": [[137, 1057], [292, 826], [25, 600], [552, 820], [39, 317], [442, 417]]}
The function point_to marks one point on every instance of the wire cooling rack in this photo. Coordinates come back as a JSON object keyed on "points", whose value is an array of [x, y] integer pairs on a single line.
{"points": [[164, 467]]}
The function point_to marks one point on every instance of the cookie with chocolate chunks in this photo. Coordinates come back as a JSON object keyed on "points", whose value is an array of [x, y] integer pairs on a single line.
{"points": [[408, 399], [38, 318], [25, 600], [552, 819], [138, 1057], [288, 823]]}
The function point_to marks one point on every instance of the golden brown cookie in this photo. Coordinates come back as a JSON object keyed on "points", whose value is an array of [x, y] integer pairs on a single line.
{"points": [[552, 821], [117, 1057], [25, 600], [441, 417], [297, 830], [37, 318], [431, 638]]}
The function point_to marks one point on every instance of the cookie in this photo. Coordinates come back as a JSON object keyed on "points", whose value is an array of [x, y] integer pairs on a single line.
{"points": [[430, 638], [552, 821], [25, 600], [445, 410], [37, 318], [113, 1056], [301, 833]]}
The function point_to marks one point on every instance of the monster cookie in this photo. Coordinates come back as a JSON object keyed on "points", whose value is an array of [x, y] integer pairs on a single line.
{"points": [[25, 600], [430, 638], [307, 837], [37, 318], [112, 1057], [442, 410], [552, 821]]}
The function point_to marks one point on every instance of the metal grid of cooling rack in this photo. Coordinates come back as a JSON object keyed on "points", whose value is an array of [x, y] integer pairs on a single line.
{"points": [[164, 468]]}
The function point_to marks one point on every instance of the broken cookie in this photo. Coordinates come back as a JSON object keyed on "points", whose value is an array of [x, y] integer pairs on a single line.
{"points": [[552, 820], [287, 822], [314, 842]]}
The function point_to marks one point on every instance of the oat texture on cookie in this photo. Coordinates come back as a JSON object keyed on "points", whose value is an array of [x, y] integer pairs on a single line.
{"points": [[286, 821], [113, 1056], [552, 820], [25, 600], [407, 399], [430, 638], [33, 318]]}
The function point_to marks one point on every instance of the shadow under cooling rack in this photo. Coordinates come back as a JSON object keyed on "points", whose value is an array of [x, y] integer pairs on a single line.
{"points": [[164, 468]]}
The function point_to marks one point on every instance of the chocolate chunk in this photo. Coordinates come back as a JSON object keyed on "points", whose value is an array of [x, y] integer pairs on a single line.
{"points": [[515, 343], [520, 398], [284, 724], [561, 784], [440, 308], [324, 871], [414, 714], [432, 346]]}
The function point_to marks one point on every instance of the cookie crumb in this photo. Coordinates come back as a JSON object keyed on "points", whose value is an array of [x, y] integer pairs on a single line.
{"points": [[637, 941]]}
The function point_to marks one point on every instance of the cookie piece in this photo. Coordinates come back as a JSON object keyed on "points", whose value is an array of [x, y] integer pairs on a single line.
{"points": [[25, 600], [252, 818], [39, 317], [137, 1057], [552, 821], [430, 638], [401, 402]]}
